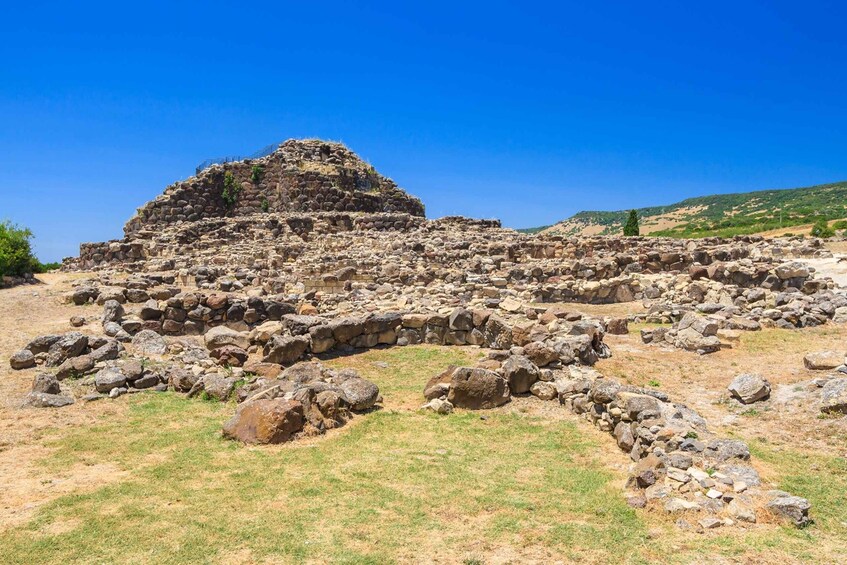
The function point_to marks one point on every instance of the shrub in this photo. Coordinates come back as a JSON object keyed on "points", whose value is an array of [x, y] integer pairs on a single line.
{"points": [[16, 257], [256, 173], [231, 190], [265, 205], [840, 225], [45, 267], [822, 229], [631, 228]]}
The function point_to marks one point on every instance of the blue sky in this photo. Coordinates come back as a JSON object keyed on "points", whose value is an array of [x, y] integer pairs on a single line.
{"points": [[524, 111]]}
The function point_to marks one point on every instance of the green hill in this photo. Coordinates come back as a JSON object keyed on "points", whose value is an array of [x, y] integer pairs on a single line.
{"points": [[720, 214]]}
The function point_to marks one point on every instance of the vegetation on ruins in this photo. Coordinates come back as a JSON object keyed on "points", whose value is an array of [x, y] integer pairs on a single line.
{"points": [[232, 188], [265, 205], [256, 173], [631, 228], [822, 229], [727, 215]]}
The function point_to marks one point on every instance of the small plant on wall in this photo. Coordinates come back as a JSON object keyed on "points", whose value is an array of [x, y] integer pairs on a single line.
{"points": [[256, 173], [231, 190], [265, 205]]}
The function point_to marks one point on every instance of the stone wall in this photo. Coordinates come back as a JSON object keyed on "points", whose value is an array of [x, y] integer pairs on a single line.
{"points": [[301, 176]]}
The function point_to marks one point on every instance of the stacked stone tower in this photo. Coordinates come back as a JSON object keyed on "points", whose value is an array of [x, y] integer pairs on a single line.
{"points": [[300, 176]]}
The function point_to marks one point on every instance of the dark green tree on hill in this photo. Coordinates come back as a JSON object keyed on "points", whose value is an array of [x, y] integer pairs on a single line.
{"points": [[631, 227]]}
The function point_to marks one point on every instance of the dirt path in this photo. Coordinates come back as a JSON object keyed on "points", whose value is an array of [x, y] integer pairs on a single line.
{"points": [[834, 268], [27, 312]]}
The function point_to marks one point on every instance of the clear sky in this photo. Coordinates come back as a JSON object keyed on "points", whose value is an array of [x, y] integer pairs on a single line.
{"points": [[526, 111]]}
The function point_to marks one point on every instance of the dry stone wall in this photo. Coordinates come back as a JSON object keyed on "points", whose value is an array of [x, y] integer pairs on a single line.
{"points": [[301, 176]]}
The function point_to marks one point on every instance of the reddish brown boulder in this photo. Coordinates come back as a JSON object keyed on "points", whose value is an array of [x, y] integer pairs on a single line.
{"points": [[266, 421], [477, 389], [230, 355], [617, 326]]}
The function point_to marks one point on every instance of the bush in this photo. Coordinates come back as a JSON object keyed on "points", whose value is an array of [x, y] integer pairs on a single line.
{"points": [[256, 173], [231, 190], [16, 257], [265, 205], [45, 267], [840, 225], [631, 228], [822, 229]]}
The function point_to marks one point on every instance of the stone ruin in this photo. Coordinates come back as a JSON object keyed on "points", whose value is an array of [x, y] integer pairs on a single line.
{"points": [[308, 253]]}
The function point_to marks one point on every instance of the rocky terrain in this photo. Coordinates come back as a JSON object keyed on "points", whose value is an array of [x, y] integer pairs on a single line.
{"points": [[242, 284]]}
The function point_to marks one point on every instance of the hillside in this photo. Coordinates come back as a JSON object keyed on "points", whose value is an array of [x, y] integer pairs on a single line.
{"points": [[719, 214]]}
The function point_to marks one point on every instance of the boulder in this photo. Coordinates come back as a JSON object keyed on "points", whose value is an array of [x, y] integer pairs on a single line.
{"points": [[266, 421], [230, 356], [648, 471], [69, 345], [112, 311], [791, 508], [617, 326], [438, 406], [544, 390], [360, 394], [497, 334], [834, 396], [107, 379], [603, 391], [46, 383], [541, 355], [220, 336], [285, 349], [263, 332], [108, 351], [439, 385], [520, 373], [75, 367], [42, 343], [477, 389], [182, 380], [749, 388], [45, 400], [691, 340], [623, 436], [792, 270], [823, 360], [461, 319], [727, 449], [217, 387], [345, 329], [23, 359], [148, 342]]}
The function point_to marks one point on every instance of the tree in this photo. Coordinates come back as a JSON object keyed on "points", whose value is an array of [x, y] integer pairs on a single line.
{"points": [[631, 227], [822, 229], [16, 257]]}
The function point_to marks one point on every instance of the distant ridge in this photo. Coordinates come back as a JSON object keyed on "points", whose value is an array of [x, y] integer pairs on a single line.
{"points": [[718, 215]]}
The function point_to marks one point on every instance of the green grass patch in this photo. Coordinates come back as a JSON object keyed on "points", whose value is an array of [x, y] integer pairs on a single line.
{"points": [[392, 486], [396, 485]]}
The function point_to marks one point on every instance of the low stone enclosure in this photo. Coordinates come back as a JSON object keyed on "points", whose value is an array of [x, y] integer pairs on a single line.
{"points": [[678, 465]]}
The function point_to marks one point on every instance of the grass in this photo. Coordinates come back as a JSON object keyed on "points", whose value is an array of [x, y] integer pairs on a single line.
{"points": [[395, 485]]}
